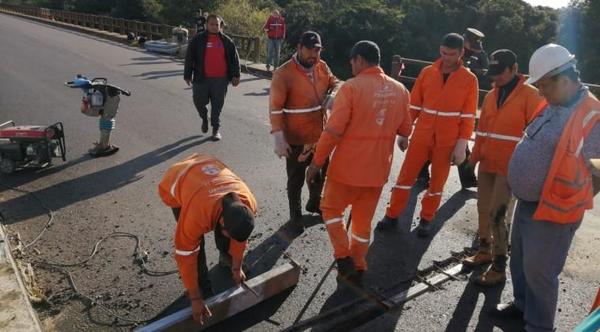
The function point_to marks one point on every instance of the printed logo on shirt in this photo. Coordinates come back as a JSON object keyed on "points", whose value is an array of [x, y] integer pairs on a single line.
{"points": [[218, 44], [211, 169]]}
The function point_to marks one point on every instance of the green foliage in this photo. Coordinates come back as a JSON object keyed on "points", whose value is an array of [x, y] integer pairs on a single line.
{"points": [[144, 10]]}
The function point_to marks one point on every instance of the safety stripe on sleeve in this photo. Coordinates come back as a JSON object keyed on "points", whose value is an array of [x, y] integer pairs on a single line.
{"points": [[333, 221], [186, 252], [360, 239]]}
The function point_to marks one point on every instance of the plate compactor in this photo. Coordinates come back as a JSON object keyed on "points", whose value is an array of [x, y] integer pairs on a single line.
{"points": [[100, 99], [30, 146]]}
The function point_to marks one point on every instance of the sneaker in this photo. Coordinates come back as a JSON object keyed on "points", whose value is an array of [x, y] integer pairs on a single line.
{"points": [[491, 277], [424, 229], [386, 223], [216, 136], [507, 310], [483, 256], [313, 205], [204, 126]]}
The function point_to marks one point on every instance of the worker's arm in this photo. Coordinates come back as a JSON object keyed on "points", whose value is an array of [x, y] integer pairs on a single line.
{"points": [[189, 60], [534, 100], [277, 98], [467, 116], [416, 97], [405, 128], [475, 156], [335, 127], [236, 250]]}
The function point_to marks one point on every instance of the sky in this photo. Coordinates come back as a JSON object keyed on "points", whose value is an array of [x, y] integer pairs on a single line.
{"points": [[549, 3]]}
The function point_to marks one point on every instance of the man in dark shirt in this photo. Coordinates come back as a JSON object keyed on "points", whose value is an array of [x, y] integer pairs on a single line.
{"points": [[200, 21], [211, 62]]}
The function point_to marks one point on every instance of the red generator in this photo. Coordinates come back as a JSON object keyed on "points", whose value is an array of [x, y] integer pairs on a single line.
{"points": [[30, 146]]}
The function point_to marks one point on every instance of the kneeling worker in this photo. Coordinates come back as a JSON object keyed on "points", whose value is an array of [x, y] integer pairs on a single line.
{"points": [[206, 196]]}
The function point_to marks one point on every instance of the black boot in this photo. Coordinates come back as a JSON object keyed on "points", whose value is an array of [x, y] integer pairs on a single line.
{"points": [[386, 223], [424, 229], [346, 270], [313, 205]]}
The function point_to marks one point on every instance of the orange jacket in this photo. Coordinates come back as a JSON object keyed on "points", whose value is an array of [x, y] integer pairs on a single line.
{"points": [[369, 111], [197, 185], [445, 111], [567, 190], [499, 130], [295, 101]]}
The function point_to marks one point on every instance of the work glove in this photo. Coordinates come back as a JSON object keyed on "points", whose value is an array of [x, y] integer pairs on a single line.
{"points": [[200, 310], [460, 154], [307, 152], [282, 148], [402, 143]]}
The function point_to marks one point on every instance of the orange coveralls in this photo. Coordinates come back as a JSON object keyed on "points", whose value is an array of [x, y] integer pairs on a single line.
{"points": [[197, 186], [445, 112], [368, 113]]}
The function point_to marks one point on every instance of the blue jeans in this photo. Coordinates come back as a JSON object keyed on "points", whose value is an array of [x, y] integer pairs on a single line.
{"points": [[539, 250], [273, 50]]}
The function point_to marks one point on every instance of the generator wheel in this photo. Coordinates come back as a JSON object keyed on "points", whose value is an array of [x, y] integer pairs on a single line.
{"points": [[7, 166]]}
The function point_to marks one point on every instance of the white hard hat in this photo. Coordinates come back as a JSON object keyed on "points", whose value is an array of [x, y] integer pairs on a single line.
{"points": [[549, 59]]}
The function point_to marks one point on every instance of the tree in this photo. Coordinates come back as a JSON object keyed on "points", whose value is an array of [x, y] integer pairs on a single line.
{"points": [[144, 10]]}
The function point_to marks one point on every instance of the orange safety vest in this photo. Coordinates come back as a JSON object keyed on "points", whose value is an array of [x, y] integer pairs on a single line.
{"points": [[445, 112], [567, 190], [369, 111], [295, 101], [197, 186], [500, 129]]}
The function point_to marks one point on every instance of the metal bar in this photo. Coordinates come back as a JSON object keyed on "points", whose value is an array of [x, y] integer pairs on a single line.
{"points": [[356, 313], [231, 301]]}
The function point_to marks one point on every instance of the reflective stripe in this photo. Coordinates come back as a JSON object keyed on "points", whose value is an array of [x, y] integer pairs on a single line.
{"points": [[589, 116], [498, 136], [434, 194], [414, 107], [434, 112], [302, 110], [558, 208], [359, 239], [277, 112], [579, 147], [186, 253], [333, 221], [182, 173], [402, 187], [333, 132], [467, 115]]}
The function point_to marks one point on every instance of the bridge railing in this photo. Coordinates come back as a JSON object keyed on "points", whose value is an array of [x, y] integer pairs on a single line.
{"points": [[247, 46], [397, 73]]}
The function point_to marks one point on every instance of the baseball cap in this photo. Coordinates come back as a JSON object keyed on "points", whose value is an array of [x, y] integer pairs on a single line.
{"points": [[310, 39], [500, 60]]}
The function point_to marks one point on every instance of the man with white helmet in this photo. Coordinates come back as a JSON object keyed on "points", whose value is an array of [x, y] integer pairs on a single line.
{"points": [[551, 176]]}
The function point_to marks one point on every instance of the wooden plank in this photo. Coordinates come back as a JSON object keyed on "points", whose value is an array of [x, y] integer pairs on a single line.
{"points": [[232, 301]]}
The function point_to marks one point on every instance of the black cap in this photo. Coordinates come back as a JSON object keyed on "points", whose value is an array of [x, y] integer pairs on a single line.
{"points": [[475, 38], [238, 220], [368, 50], [500, 60], [310, 39]]}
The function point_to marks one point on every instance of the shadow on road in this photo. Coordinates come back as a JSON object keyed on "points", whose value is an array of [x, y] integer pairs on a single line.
{"points": [[95, 184]]}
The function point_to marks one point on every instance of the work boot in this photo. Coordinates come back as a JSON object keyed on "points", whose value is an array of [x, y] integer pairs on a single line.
{"points": [[507, 310], [386, 223], [424, 229], [346, 270], [216, 136], [313, 205], [492, 277], [482, 256], [204, 125], [357, 280], [296, 224]]}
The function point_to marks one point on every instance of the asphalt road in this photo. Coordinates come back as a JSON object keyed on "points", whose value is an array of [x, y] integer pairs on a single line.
{"points": [[156, 127]]}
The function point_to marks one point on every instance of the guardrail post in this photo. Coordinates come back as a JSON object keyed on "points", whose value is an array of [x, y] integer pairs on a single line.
{"points": [[256, 49]]}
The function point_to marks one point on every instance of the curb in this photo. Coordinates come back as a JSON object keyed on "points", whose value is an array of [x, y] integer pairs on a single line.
{"points": [[17, 313]]}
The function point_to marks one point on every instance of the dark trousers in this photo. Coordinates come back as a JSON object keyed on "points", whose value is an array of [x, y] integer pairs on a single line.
{"points": [[222, 243], [296, 172], [211, 90]]}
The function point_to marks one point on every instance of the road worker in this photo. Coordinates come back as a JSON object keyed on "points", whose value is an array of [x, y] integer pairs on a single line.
{"points": [[297, 110], [443, 101], [370, 110], [506, 111], [551, 176], [206, 196]]}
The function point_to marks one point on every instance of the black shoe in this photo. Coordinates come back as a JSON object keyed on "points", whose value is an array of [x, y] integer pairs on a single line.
{"points": [[357, 279], [386, 223], [424, 229], [216, 136], [296, 225], [507, 310], [346, 270], [313, 205], [204, 126]]}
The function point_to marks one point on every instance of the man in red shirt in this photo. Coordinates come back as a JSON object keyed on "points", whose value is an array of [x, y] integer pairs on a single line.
{"points": [[211, 62], [275, 29]]}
